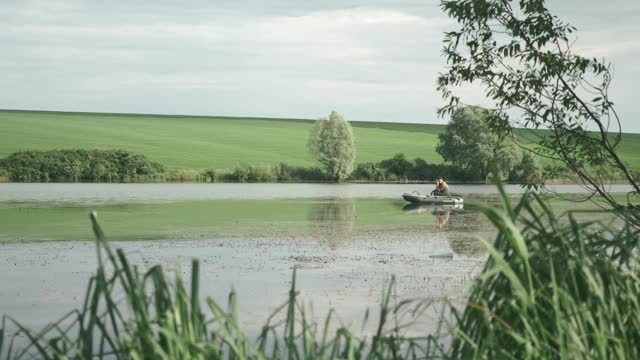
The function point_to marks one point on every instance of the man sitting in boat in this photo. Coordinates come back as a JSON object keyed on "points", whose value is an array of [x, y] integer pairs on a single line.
{"points": [[442, 188]]}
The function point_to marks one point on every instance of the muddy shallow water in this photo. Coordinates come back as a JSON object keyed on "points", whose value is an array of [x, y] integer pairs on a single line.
{"points": [[42, 281]]}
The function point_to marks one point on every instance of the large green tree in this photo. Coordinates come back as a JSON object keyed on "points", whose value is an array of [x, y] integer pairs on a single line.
{"points": [[470, 143], [331, 143], [522, 56]]}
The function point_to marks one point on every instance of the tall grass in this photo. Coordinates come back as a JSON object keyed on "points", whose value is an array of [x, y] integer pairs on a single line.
{"points": [[552, 288]]}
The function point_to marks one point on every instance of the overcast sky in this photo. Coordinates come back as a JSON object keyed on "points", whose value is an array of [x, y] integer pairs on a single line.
{"points": [[375, 60]]}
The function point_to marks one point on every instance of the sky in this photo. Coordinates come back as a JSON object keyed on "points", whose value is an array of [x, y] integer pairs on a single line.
{"points": [[369, 60]]}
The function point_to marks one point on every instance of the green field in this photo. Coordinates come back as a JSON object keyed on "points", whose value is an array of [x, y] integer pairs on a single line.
{"points": [[218, 142], [204, 142]]}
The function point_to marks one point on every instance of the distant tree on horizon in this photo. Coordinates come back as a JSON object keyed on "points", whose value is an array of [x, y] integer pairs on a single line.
{"points": [[470, 143], [331, 143]]}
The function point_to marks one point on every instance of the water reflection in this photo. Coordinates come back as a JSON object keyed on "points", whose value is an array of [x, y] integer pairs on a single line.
{"points": [[420, 208], [441, 216], [462, 227], [332, 221], [465, 231], [441, 213]]}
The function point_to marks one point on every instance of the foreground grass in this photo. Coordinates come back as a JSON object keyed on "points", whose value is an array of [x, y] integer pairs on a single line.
{"points": [[553, 290]]}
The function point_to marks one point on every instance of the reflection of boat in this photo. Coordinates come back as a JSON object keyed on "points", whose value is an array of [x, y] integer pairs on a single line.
{"points": [[433, 208], [417, 198]]}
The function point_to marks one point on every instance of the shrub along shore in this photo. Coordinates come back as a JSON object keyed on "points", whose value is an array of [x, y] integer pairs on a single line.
{"points": [[120, 166]]}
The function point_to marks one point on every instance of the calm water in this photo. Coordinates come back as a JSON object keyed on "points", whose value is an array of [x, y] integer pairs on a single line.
{"points": [[64, 192]]}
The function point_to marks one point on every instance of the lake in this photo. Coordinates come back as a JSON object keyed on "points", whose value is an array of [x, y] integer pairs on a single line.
{"points": [[345, 241], [128, 193]]}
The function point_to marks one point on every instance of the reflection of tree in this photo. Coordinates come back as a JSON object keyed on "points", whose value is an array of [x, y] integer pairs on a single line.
{"points": [[464, 232], [462, 226], [332, 220], [442, 217], [441, 213]]}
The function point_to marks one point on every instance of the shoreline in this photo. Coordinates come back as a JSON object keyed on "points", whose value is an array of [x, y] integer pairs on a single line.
{"points": [[4, 179]]}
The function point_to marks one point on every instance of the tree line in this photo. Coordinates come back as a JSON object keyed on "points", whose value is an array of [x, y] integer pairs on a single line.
{"points": [[81, 165], [470, 147], [122, 166]]}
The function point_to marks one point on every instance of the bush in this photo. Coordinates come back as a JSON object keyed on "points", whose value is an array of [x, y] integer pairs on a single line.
{"points": [[527, 172], [301, 173], [212, 175], [81, 165], [262, 173], [372, 172], [398, 168], [186, 175], [239, 174], [3, 171], [398, 165], [422, 170], [279, 173], [452, 172], [122, 166]]}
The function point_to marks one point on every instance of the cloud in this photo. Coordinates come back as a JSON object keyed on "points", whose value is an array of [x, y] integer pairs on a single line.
{"points": [[378, 60], [613, 48]]}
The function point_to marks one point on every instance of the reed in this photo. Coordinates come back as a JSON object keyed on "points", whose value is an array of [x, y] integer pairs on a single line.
{"points": [[553, 288]]}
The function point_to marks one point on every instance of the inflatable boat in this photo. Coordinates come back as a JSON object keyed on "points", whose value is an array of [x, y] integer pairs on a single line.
{"points": [[417, 198]]}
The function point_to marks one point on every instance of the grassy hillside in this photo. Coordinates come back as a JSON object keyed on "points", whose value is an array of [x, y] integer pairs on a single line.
{"points": [[629, 147], [218, 142], [201, 142]]}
